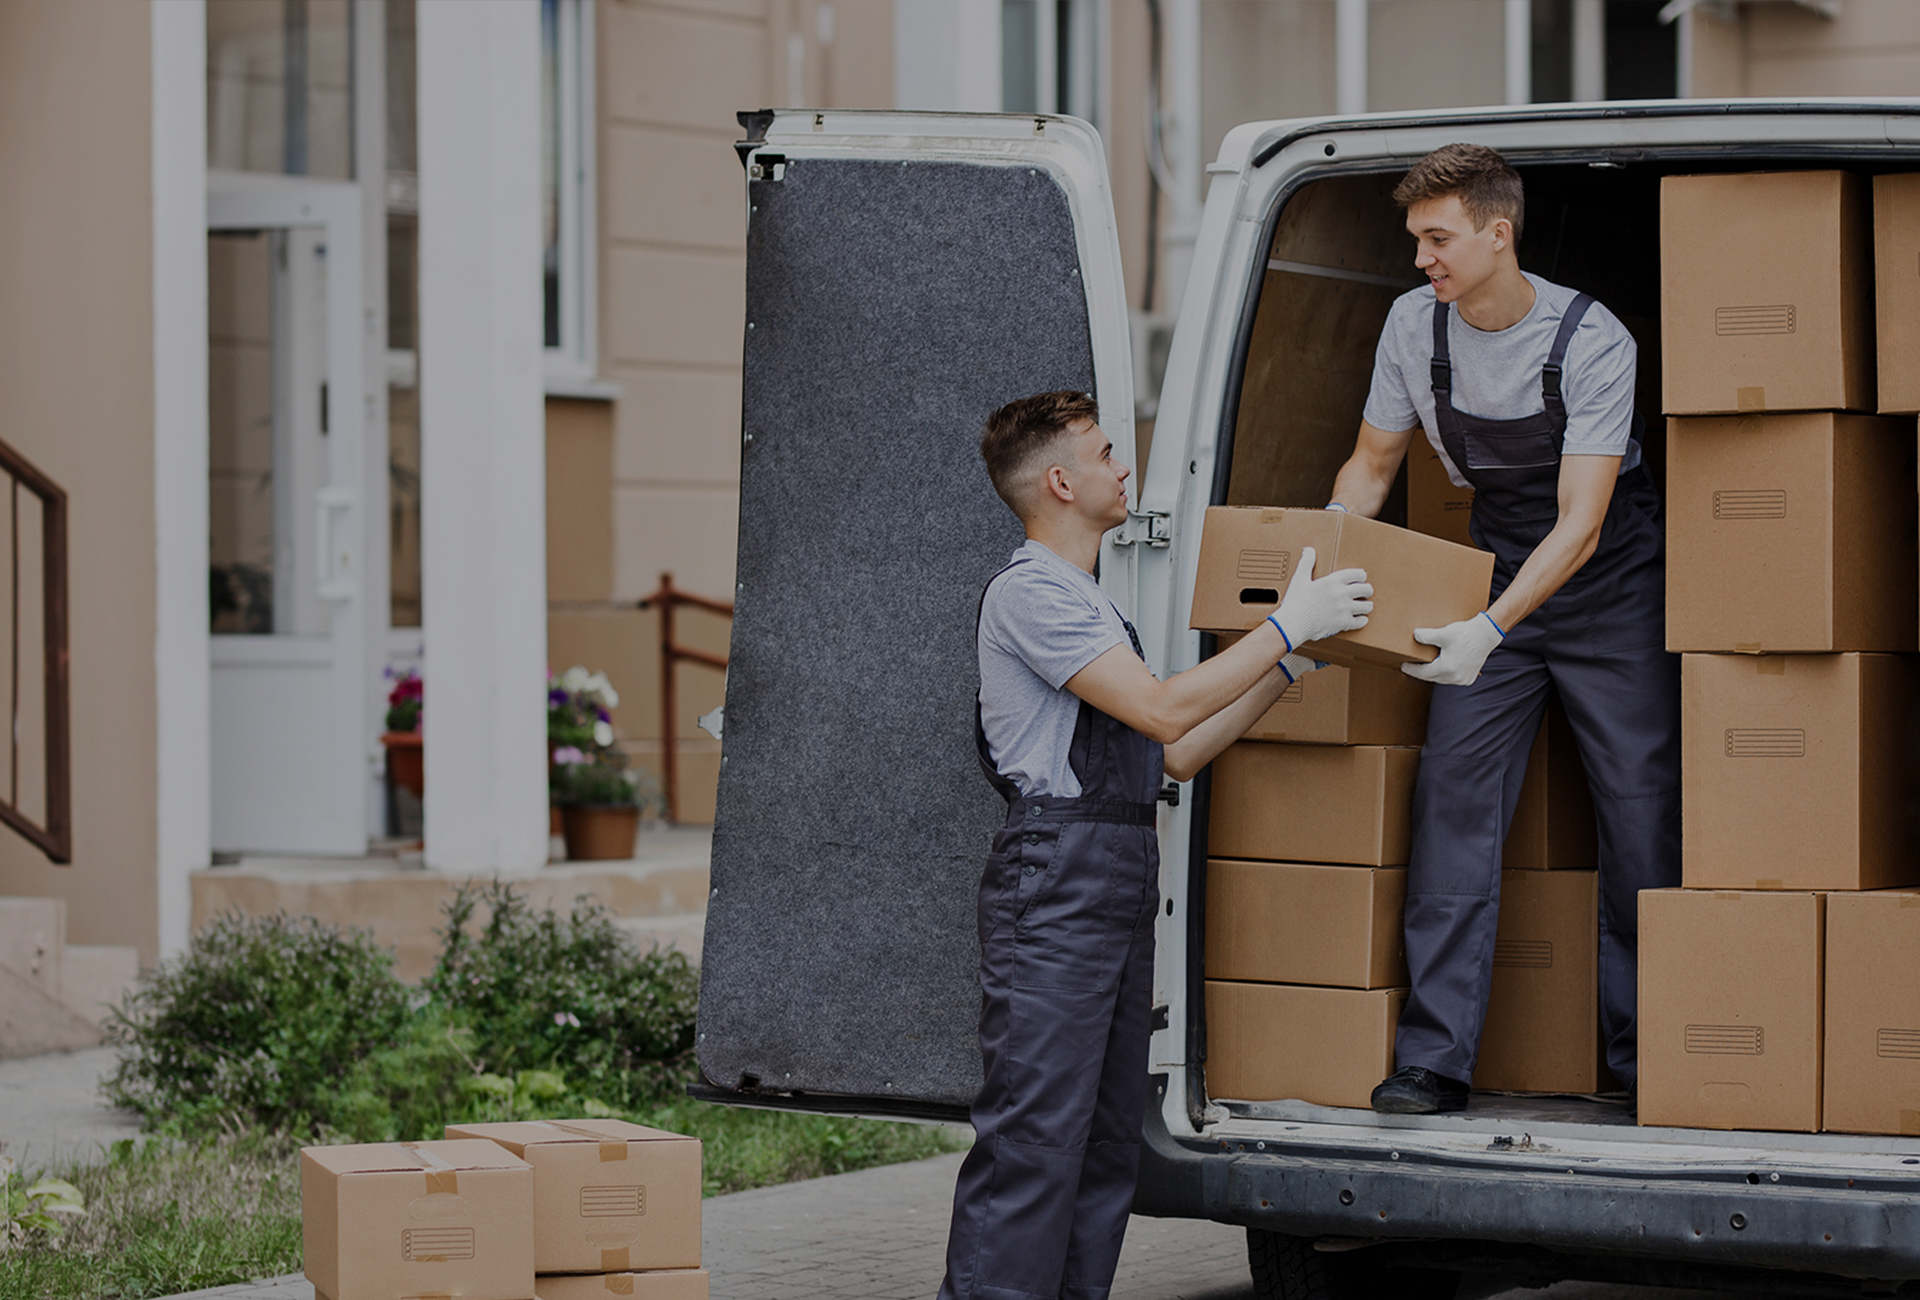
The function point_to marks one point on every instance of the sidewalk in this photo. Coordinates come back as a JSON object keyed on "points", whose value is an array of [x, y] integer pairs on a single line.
{"points": [[875, 1235]]}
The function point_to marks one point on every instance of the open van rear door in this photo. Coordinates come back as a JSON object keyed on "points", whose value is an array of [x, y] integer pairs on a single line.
{"points": [[906, 273]]}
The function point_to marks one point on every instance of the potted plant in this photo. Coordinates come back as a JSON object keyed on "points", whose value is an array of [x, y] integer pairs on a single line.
{"points": [[600, 800], [406, 755], [580, 708]]}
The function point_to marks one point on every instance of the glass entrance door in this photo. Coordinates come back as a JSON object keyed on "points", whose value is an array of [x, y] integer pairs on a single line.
{"points": [[286, 431]]}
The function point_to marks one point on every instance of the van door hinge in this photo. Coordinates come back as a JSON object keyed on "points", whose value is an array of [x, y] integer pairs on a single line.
{"points": [[1150, 526]]}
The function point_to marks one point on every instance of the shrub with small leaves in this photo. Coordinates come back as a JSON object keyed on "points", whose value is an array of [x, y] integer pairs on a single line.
{"points": [[262, 1018], [571, 994]]}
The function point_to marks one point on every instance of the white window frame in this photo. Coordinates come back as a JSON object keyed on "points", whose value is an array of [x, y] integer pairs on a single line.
{"points": [[572, 368]]}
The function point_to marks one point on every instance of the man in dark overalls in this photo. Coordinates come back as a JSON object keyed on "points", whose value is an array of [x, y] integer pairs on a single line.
{"points": [[1070, 726], [1526, 388]]}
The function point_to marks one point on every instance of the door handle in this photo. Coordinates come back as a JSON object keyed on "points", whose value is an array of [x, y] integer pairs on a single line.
{"points": [[333, 551]]}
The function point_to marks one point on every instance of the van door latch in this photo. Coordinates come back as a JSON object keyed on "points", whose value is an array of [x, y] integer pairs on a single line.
{"points": [[1150, 526], [767, 167]]}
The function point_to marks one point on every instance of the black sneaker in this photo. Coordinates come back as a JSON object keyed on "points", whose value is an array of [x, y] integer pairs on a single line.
{"points": [[1416, 1090]]}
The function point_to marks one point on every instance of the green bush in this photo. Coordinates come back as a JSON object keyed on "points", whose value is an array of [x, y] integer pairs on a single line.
{"points": [[262, 1021], [294, 1026], [571, 995]]}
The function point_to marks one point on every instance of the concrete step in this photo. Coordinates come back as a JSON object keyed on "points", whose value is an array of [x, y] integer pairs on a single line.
{"points": [[31, 1022], [94, 977], [667, 878], [684, 932], [33, 936]]}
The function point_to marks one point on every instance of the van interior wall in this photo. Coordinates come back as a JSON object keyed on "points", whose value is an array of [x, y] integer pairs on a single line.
{"points": [[1339, 258]]}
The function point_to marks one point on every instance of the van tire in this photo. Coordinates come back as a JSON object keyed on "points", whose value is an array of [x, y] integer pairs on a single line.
{"points": [[1289, 1268]]}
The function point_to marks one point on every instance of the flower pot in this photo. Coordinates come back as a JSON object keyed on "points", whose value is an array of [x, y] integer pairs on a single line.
{"points": [[599, 832], [406, 760]]}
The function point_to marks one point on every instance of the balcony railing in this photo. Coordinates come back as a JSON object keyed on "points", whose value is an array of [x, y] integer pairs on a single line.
{"points": [[36, 566]]}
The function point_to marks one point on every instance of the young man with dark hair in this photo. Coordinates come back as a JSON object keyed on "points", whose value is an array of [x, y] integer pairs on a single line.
{"points": [[1526, 390], [1071, 726]]}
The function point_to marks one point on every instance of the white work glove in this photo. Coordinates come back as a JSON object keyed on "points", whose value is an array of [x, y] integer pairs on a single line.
{"points": [[1316, 608], [1464, 647], [1298, 666]]}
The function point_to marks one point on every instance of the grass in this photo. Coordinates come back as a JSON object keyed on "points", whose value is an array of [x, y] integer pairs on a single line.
{"points": [[165, 1217]]}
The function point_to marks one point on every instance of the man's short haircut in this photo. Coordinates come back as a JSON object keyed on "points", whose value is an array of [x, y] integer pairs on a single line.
{"points": [[1021, 433], [1486, 184]]}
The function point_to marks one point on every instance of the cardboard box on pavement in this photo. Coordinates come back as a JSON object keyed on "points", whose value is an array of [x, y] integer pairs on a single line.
{"points": [[1542, 1032], [1796, 771], [608, 1196], [1791, 533], [1313, 803], [394, 1220], [1363, 705], [1730, 1008], [1248, 555], [670, 1284], [1745, 334], [1271, 1042], [1872, 1071], [1295, 923], [1435, 506]]}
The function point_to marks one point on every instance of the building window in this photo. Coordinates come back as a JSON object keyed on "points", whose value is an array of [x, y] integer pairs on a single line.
{"points": [[566, 155], [280, 87], [1049, 50]]}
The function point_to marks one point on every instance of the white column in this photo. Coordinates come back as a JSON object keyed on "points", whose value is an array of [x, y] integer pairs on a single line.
{"points": [[1350, 56], [946, 55], [1589, 50], [1683, 56], [482, 433], [183, 745], [1180, 137], [1519, 52]]}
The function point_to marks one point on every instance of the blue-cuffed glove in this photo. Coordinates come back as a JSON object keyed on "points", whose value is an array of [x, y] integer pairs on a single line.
{"points": [[1298, 666], [1464, 647]]}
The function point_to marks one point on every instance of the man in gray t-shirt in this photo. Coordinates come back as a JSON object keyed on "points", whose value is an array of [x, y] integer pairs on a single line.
{"points": [[1077, 734], [1526, 389]]}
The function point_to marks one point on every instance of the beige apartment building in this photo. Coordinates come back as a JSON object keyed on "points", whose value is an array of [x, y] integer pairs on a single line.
{"points": [[369, 335]]}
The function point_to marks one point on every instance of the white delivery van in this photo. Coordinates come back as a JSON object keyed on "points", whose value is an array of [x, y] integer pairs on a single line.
{"points": [[908, 272]]}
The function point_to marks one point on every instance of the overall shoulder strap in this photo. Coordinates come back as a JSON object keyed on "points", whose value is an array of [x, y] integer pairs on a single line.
{"points": [[1557, 355], [1442, 365]]}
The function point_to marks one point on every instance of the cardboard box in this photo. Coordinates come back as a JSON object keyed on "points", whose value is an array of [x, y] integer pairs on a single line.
{"points": [[1746, 333], [608, 1196], [1247, 556], [1730, 1009], [1313, 803], [671, 1284], [1542, 1032], [1896, 289], [1553, 827], [1791, 533], [1295, 923], [1796, 771], [1434, 505], [1346, 706], [390, 1220], [1871, 1078], [1270, 1042]]}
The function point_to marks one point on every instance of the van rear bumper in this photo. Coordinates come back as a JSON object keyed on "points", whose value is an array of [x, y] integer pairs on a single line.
{"points": [[1694, 1218]]}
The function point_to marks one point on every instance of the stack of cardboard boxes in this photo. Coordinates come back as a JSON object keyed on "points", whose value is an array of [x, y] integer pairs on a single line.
{"points": [[553, 1210], [1311, 824], [1777, 988]]}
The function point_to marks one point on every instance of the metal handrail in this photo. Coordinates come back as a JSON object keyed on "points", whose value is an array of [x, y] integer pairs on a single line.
{"points": [[55, 838], [666, 599]]}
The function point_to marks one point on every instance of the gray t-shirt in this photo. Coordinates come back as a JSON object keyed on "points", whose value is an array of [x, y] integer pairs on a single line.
{"points": [[1497, 374], [1042, 621]]}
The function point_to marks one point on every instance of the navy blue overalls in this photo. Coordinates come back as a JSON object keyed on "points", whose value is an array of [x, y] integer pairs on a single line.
{"points": [[1599, 643], [1066, 915]]}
